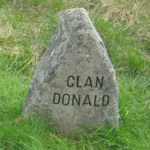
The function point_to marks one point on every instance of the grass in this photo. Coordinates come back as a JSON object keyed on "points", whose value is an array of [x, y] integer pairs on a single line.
{"points": [[26, 27]]}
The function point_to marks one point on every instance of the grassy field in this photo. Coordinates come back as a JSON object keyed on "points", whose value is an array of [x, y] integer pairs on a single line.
{"points": [[26, 27]]}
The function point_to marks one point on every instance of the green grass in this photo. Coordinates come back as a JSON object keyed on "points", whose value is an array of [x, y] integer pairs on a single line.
{"points": [[26, 27]]}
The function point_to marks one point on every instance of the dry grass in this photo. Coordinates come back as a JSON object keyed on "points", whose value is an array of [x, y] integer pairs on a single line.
{"points": [[133, 15]]}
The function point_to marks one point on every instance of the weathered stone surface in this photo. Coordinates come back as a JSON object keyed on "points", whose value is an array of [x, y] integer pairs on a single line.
{"points": [[75, 82]]}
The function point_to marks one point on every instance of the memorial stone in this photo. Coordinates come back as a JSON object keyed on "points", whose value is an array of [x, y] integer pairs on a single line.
{"points": [[75, 83]]}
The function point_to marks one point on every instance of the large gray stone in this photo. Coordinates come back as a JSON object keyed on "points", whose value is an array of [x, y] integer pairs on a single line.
{"points": [[74, 84]]}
